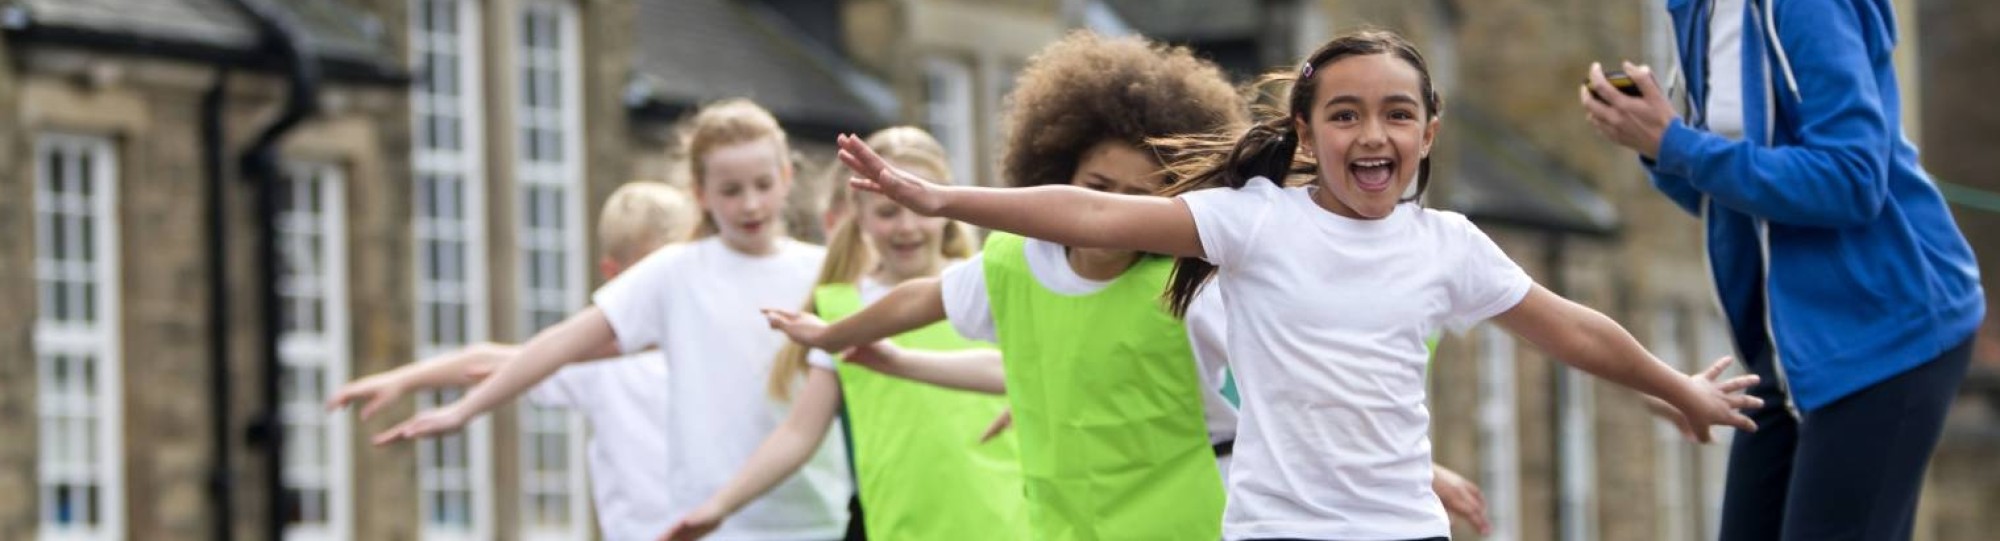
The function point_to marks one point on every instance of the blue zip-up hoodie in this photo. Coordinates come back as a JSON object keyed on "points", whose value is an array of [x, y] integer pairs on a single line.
{"points": [[1867, 274]]}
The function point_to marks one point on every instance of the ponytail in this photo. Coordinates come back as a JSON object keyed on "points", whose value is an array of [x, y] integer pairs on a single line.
{"points": [[846, 258]]}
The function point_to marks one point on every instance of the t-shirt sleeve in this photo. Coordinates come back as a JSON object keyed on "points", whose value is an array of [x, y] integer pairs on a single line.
{"points": [[558, 390], [1227, 219], [1485, 282], [819, 359], [635, 302], [966, 304]]}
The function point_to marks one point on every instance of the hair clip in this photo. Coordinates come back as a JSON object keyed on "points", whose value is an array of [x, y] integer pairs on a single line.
{"points": [[1306, 72]]}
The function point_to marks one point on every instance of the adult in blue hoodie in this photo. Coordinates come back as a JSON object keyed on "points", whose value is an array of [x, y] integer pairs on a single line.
{"points": [[1847, 286]]}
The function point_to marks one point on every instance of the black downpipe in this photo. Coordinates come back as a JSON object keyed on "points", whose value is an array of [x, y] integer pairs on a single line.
{"points": [[222, 476], [260, 162]]}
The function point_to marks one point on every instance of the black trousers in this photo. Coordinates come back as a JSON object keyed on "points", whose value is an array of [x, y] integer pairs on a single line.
{"points": [[1849, 470]]}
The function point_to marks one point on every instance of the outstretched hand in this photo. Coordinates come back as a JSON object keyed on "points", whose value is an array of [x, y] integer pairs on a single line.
{"points": [[874, 174], [374, 392], [804, 328], [1715, 402], [444, 420]]}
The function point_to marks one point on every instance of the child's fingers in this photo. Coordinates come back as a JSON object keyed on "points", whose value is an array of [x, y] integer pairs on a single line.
{"points": [[1745, 402], [1742, 422], [389, 436], [369, 409], [1738, 383], [865, 185], [1714, 370]]}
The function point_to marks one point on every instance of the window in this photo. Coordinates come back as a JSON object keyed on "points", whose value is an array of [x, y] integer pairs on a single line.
{"points": [[1712, 343], [948, 113], [1674, 461], [312, 351], [1499, 433], [454, 472], [80, 484], [1576, 452], [552, 262]]}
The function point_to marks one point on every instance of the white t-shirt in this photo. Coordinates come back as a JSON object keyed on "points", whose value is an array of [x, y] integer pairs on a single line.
{"points": [[970, 310], [1724, 108], [625, 402], [1327, 321], [699, 304]]}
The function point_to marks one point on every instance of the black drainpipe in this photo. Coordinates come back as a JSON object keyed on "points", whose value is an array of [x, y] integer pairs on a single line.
{"points": [[260, 162], [222, 476]]}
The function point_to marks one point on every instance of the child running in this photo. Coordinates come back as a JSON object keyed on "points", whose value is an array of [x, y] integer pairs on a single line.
{"points": [[685, 300], [1110, 450], [1332, 288], [620, 398], [919, 471]]}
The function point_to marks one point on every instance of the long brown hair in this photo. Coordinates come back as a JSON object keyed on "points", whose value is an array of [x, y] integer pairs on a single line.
{"points": [[1270, 147], [848, 255]]}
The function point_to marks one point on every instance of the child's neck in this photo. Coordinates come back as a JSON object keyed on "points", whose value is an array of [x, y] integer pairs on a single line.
{"points": [[749, 248], [1099, 265]]}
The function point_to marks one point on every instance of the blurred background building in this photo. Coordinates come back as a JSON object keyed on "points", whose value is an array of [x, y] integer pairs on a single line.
{"points": [[430, 170]]}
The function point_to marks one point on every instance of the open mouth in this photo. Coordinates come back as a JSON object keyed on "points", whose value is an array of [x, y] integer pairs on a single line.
{"points": [[1373, 174], [906, 247]]}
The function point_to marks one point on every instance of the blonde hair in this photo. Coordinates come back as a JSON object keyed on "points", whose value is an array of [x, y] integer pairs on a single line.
{"points": [[643, 215], [730, 122], [848, 255]]}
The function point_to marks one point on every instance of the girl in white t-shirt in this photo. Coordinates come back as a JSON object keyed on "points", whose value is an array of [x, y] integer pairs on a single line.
{"points": [[697, 303], [1332, 288], [920, 474]]}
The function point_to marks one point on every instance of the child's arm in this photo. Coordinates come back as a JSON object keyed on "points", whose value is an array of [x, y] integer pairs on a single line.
{"points": [[1461, 497], [976, 370], [584, 336], [780, 456], [1066, 215], [459, 368], [1589, 341], [910, 306]]}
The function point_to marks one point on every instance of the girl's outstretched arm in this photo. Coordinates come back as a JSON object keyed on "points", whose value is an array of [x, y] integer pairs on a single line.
{"points": [[461, 368], [1066, 215], [780, 456], [1589, 341], [584, 336], [909, 306], [976, 370]]}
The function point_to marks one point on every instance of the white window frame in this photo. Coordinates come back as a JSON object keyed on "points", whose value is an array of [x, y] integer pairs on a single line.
{"points": [[466, 162], [1673, 457], [1713, 342], [98, 339], [564, 176], [949, 114], [1499, 432], [328, 349], [1576, 457]]}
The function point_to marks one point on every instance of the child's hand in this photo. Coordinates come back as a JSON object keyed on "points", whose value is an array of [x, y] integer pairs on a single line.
{"points": [[377, 391], [880, 356], [1000, 424], [1709, 402], [443, 420], [806, 329], [874, 174], [1461, 498], [697, 524]]}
